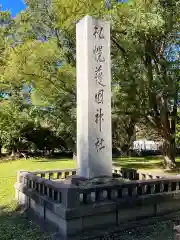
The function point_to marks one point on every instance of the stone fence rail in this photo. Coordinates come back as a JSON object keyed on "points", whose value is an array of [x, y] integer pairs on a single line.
{"points": [[56, 174], [134, 174], [125, 173], [71, 209], [126, 190]]}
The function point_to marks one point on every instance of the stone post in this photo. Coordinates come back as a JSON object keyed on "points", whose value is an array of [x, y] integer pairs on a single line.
{"points": [[94, 140], [18, 182], [176, 232]]}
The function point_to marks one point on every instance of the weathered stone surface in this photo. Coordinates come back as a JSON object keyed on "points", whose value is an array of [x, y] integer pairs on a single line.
{"points": [[21, 197], [98, 181], [169, 206], [96, 221], [70, 196], [39, 209], [108, 209], [135, 213], [94, 136], [74, 179], [66, 227]]}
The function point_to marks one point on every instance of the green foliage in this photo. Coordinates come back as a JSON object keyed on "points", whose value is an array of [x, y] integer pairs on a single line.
{"points": [[12, 122], [145, 131], [143, 36], [178, 129], [144, 66]]}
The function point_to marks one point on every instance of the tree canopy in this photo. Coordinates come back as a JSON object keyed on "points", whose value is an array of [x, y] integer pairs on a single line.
{"points": [[38, 69]]}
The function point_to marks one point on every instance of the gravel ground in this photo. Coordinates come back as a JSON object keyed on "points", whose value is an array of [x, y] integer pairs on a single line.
{"points": [[162, 230]]}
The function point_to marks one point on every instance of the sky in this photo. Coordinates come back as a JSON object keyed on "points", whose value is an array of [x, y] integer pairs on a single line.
{"points": [[15, 6]]}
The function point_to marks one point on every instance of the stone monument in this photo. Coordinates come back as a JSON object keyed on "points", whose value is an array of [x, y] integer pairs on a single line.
{"points": [[71, 204], [94, 140]]}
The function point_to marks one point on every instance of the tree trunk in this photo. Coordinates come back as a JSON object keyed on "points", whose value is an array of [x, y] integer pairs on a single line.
{"points": [[74, 156], [13, 153], [52, 152], [125, 149], [130, 134], [169, 153]]}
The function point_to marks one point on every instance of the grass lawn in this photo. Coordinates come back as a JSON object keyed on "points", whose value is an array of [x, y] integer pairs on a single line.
{"points": [[9, 169], [13, 226], [146, 164], [16, 227]]}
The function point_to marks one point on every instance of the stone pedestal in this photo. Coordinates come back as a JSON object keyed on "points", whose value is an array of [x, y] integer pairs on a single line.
{"points": [[177, 232], [94, 140]]}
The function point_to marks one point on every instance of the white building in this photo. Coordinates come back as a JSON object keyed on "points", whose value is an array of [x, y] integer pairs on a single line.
{"points": [[146, 145]]}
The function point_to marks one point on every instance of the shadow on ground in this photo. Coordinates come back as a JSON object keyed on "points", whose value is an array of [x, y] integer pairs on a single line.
{"points": [[154, 163], [175, 170], [14, 225], [52, 159], [139, 162]]}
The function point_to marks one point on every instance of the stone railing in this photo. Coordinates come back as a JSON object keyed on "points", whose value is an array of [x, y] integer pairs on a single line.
{"points": [[98, 193], [35, 184], [133, 174], [125, 173], [55, 174], [74, 208], [130, 191]]}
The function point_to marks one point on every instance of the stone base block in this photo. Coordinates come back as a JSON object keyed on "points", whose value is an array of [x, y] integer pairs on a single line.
{"points": [[135, 213], [96, 221], [61, 229], [169, 206], [39, 209], [21, 198], [66, 227]]}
